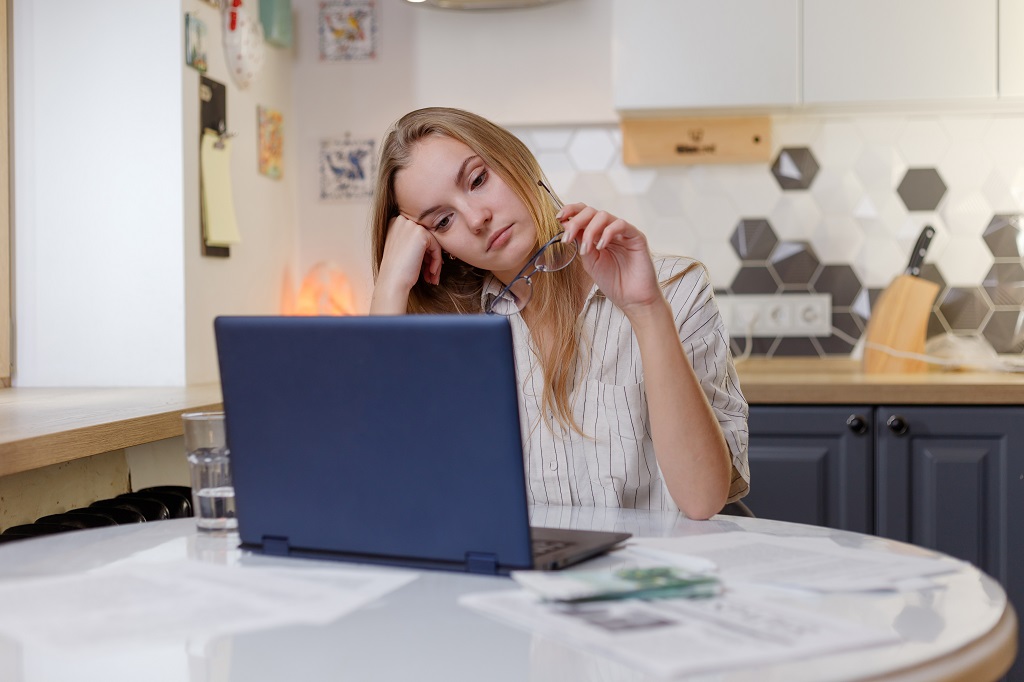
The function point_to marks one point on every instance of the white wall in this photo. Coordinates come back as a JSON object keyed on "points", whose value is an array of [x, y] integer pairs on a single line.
{"points": [[110, 286], [97, 134], [252, 279], [541, 65]]}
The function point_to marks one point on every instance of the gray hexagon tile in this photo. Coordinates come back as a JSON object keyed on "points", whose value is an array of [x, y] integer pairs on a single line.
{"points": [[965, 309], [794, 346], [1005, 331], [921, 189], [754, 279], [1005, 236], [794, 263], [840, 281], [592, 149], [759, 346], [1004, 284], [922, 142], [931, 272], [795, 168], [836, 344], [753, 239]]}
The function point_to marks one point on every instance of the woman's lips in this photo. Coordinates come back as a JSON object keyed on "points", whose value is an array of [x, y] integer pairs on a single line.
{"points": [[500, 238]]}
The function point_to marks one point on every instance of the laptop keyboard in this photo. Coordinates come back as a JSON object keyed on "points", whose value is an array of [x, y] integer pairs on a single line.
{"points": [[541, 547]]}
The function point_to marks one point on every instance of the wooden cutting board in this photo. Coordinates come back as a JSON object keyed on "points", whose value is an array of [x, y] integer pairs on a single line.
{"points": [[899, 320]]}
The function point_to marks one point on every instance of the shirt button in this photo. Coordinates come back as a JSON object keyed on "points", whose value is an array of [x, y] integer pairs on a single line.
{"points": [[552, 465]]}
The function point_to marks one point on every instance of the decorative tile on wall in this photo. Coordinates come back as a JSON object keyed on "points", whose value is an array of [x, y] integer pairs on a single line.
{"points": [[836, 211]]}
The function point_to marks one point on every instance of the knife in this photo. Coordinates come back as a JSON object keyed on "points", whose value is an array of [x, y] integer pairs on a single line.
{"points": [[920, 249]]}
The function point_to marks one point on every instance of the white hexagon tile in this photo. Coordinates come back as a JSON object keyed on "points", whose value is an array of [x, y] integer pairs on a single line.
{"points": [[838, 206]]}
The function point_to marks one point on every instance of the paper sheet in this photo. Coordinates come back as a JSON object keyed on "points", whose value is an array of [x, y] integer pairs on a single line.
{"points": [[677, 637], [219, 225], [817, 564], [175, 601]]}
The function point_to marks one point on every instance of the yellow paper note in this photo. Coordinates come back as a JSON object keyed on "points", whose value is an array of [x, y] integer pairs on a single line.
{"points": [[219, 225]]}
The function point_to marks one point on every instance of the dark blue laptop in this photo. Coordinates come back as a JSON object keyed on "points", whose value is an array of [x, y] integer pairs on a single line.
{"points": [[384, 440]]}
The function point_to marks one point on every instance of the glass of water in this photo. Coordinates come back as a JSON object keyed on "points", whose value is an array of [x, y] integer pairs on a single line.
{"points": [[213, 496]]}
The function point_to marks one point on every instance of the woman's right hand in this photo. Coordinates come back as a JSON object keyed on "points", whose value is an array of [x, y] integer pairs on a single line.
{"points": [[410, 251]]}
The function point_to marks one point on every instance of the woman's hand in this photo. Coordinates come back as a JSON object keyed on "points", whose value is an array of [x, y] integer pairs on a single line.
{"points": [[615, 254], [410, 251]]}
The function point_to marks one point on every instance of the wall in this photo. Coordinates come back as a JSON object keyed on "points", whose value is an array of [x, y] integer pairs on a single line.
{"points": [[847, 231], [110, 286]]}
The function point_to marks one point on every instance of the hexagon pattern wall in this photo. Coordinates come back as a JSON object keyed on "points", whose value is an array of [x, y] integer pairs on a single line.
{"points": [[837, 211]]}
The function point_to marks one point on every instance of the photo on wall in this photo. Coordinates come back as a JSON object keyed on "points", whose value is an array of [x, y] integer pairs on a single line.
{"points": [[347, 169], [271, 141], [348, 30], [195, 43]]}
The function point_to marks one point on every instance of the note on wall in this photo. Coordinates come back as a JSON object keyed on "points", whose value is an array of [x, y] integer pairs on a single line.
{"points": [[220, 226]]}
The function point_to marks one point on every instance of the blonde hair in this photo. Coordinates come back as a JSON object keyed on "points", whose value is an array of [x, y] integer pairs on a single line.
{"points": [[557, 296]]}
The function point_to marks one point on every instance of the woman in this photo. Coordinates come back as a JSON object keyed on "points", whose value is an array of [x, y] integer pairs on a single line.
{"points": [[628, 394]]}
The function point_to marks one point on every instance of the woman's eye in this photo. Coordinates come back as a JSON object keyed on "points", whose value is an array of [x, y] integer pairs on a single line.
{"points": [[479, 180], [444, 223]]}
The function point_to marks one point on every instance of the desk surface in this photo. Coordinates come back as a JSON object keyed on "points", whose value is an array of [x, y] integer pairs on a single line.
{"points": [[963, 630]]}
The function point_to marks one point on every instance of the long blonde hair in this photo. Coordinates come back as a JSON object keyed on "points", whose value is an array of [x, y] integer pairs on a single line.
{"points": [[557, 297]]}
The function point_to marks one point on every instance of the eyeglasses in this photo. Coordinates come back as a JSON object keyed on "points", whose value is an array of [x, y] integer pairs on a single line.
{"points": [[553, 256]]}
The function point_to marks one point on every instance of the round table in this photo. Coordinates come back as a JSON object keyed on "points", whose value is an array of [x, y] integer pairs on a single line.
{"points": [[964, 629]]}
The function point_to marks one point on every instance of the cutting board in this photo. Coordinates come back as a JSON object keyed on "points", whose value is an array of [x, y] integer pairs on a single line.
{"points": [[899, 320]]}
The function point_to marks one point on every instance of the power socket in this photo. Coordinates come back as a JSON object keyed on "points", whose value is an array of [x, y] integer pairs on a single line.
{"points": [[772, 315]]}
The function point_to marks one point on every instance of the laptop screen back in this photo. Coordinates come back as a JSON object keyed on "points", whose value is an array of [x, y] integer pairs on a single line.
{"points": [[377, 438]]}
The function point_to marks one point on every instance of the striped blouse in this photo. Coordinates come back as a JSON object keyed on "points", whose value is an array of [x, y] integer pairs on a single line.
{"points": [[614, 464]]}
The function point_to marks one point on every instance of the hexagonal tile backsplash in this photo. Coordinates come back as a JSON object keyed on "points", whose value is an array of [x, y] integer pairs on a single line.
{"points": [[837, 210]]}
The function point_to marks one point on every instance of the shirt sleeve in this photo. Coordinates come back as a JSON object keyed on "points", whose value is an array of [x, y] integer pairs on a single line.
{"points": [[702, 332]]}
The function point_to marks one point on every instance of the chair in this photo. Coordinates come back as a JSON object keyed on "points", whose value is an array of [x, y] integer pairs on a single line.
{"points": [[737, 508]]}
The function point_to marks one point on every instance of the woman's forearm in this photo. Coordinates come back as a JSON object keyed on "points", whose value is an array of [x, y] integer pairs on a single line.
{"points": [[691, 449]]}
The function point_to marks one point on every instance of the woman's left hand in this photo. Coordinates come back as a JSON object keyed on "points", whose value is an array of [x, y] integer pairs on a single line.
{"points": [[615, 254]]}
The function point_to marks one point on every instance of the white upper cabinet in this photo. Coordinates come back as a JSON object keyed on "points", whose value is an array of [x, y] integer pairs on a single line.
{"points": [[679, 54], [881, 51], [1011, 48]]}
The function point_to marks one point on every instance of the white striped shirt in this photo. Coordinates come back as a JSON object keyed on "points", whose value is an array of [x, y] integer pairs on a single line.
{"points": [[615, 465]]}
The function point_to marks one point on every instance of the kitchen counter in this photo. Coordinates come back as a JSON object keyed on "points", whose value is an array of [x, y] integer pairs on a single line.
{"points": [[841, 382], [44, 426]]}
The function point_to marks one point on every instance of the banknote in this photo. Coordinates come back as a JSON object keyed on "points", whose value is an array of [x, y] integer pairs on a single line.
{"points": [[661, 582]]}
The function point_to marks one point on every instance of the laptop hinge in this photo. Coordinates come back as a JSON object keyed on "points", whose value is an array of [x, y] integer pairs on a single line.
{"points": [[276, 545], [481, 562]]}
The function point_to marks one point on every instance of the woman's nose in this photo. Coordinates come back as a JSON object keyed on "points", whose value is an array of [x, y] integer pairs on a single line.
{"points": [[477, 217]]}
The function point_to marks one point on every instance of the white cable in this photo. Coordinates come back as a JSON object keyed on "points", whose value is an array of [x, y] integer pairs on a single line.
{"points": [[996, 364], [749, 337]]}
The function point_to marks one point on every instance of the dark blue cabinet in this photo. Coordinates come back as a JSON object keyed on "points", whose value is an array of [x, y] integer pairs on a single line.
{"points": [[813, 465], [949, 478]]}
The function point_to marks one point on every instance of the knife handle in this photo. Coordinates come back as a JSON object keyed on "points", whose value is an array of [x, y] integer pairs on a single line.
{"points": [[920, 249]]}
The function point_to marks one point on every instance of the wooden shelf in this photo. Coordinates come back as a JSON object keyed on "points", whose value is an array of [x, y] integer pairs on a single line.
{"points": [[44, 426]]}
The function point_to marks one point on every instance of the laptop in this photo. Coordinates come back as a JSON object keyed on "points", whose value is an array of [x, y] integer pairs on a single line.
{"points": [[389, 440]]}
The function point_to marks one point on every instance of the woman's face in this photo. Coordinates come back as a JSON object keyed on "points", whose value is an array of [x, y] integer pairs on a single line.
{"points": [[468, 209]]}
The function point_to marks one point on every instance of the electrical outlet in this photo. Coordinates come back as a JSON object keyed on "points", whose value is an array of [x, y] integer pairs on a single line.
{"points": [[771, 315]]}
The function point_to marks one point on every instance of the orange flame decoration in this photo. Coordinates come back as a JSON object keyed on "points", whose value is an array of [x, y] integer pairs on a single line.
{"points": [[325, 290]]}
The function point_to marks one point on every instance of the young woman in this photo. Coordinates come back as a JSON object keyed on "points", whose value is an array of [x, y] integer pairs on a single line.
{"points": [[628, 393]]}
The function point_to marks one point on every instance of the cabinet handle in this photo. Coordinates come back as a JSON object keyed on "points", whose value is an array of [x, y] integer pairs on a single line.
{"points": [[857, 424], [897, 424]]}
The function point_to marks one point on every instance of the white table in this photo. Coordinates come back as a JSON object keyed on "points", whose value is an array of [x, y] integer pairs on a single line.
{"points": [[965, 630]]}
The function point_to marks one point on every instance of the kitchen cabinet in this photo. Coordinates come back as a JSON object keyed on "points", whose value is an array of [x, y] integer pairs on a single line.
{"points": [[678, 54], [813, 465], [1011, 48], [873, 51], [949, 478]]}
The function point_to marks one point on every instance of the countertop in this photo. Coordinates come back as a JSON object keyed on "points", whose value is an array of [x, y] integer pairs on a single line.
{"points": [[44, 426]]}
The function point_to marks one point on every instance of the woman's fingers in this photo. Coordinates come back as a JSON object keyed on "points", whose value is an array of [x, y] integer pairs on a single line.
{"points": [[592, 229]]}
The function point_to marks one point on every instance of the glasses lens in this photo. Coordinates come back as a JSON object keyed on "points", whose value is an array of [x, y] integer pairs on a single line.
{"points": [[512, 299], [555, 256]]}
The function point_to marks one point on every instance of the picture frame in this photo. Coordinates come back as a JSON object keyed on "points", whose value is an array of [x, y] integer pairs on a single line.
{"points": [[348, 30]]}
